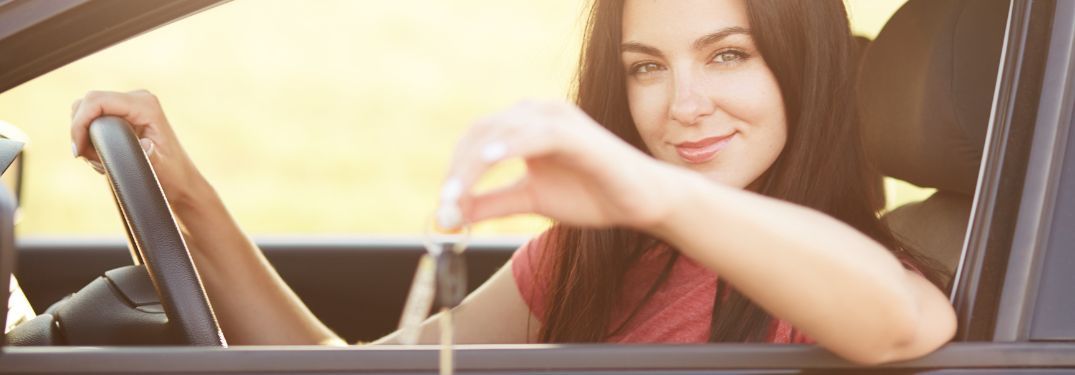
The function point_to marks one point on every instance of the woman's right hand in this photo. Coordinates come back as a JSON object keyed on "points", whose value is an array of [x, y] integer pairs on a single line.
{"points": [[577, 172], [143, 111]]}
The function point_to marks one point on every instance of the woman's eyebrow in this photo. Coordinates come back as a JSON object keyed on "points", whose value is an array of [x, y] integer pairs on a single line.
{"points": [[704, 41], [698, 44], [640, 48]]}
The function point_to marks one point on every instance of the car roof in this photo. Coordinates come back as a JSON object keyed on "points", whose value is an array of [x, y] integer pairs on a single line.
{"points": [[37, 37]]}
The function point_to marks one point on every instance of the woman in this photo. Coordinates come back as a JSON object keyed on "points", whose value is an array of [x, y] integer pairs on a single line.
{"points": [[710, 137]]}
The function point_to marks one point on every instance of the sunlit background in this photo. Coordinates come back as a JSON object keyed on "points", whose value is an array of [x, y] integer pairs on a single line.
{"points": [[319, 117]]}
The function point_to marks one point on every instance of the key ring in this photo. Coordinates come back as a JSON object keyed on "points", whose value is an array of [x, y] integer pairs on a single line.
{"points": [[461, 236]]}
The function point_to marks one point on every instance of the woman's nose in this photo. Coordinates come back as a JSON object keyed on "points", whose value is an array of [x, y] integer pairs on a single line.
{"points": [[689, 104]]}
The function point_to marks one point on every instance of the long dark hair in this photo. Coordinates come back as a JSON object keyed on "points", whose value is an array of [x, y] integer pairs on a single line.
{"points": [[807, 44]]}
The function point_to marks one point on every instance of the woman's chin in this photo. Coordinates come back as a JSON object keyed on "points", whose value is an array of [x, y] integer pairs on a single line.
{"points": [[724, 178]]}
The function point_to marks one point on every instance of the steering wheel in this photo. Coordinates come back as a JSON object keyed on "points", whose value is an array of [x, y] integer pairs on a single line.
{"points": [[152, 232]]}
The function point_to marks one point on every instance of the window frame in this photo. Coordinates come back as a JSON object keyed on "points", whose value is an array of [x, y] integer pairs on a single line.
{"points": [[988, 243], [1034, 299]]}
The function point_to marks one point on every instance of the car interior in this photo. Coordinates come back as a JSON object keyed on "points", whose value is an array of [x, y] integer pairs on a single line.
{"points": [[925, 90]]}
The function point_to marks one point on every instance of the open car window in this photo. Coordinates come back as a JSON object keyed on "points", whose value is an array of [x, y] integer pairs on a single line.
{"points": [[336, 127]]}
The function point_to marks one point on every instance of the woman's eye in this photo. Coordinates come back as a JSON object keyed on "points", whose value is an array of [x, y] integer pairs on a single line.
{"points": [[645, 68], [728, 57]]}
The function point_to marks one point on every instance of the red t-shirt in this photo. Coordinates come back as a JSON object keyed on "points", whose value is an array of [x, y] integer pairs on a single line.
{"points": [[680, 311]]}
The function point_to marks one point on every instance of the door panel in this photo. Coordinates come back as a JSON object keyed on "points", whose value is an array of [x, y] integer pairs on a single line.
{"points": [[963, 358], [356, 286]]}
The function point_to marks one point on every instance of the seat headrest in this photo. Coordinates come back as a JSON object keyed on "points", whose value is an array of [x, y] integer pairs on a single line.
{"points": [[926, 88]]}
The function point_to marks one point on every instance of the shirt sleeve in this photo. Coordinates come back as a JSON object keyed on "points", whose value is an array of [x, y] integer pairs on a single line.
{"points": [[530, 266]]}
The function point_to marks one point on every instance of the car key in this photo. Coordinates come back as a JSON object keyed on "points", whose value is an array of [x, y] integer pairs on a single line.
{"points": [[441, 275], [451, 288]]}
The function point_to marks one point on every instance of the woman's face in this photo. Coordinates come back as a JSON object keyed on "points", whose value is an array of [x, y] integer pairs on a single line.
{"points": [[700, 93]]}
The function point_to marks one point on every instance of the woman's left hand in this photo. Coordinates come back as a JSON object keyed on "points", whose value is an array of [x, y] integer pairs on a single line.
{"points": [[578, 172]]}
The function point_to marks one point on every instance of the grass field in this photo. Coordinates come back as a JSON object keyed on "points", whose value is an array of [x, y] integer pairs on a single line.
{"points": [[318, 117]]}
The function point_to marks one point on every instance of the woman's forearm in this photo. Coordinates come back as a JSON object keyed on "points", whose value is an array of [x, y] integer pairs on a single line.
{"points": [[836, 284], [253, 305]]}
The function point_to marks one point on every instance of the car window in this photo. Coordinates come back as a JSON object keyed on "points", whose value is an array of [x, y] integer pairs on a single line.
{"points": [[338, 126]]}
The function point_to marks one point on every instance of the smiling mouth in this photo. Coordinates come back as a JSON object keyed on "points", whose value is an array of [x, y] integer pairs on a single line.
{"points": [[703, 150]]}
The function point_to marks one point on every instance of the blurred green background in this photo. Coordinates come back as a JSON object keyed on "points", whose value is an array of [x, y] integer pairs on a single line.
{"points": [[320, 117]]}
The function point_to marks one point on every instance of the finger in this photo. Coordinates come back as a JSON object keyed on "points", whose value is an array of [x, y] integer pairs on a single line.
{"points": [[96, 165], [470, 161], [74, 107], [94, 105], [510, 200], [148, 146], [454, 194], [460, 179], [508, 136], [527, 130]]}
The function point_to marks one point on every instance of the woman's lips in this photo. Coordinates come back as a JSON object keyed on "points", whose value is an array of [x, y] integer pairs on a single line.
{"points": [[703, 150]]}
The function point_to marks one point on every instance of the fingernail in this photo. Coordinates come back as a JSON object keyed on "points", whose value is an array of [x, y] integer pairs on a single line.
{"points": [[449, 217], [493, 152], [451, 191], [147, 145], [74, 150], [96, 166]]}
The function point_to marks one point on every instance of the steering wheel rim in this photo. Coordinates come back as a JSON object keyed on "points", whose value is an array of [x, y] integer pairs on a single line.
{"points": [[153, 234]]}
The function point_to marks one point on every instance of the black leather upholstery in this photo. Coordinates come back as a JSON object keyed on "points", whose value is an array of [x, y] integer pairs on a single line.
{"points": [[39, 331], [153, 232], [119, 308]]}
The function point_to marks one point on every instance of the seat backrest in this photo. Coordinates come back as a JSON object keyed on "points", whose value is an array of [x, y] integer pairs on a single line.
{"points": [[926, 88]]}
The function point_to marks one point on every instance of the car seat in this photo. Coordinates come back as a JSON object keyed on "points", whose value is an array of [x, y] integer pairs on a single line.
{"points": [[925, 93]]}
